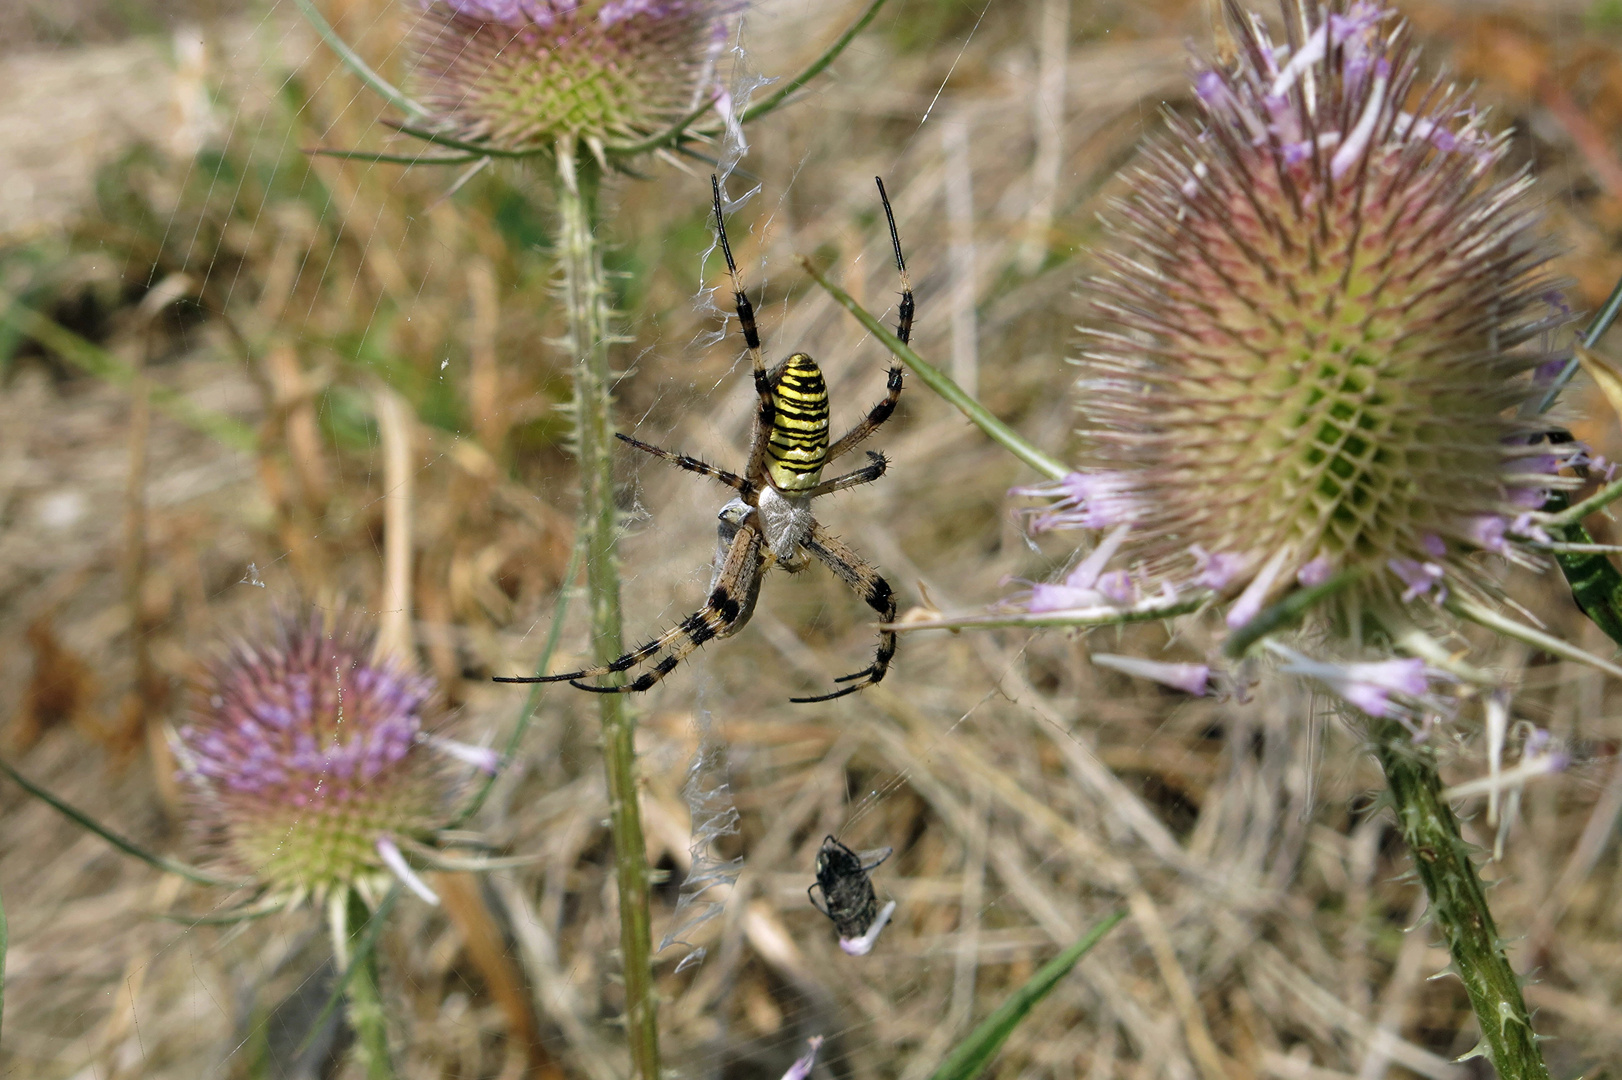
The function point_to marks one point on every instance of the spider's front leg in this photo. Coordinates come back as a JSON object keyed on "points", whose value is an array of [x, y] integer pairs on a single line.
{"points": [[854, 571], [881, 412], [765, 411]]}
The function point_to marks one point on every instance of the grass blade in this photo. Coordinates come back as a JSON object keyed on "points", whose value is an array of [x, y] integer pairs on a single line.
{"points": [[129, 847], [395, 159], [815, 68], [97, 361], [938, 381], [972, 1054], [351, 59], [559, 610]]}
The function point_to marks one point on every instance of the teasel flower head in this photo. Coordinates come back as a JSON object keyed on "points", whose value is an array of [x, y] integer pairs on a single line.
{"points": [[1318, 335], [523, 75], [309, 764]]}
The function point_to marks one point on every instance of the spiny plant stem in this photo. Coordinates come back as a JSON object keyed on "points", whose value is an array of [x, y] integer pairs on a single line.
{"points": [[1458, 904], [586, 296], [365, 1003]]}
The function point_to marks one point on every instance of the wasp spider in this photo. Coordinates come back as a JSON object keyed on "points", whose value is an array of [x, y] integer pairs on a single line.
{"points": [[770, 522]]}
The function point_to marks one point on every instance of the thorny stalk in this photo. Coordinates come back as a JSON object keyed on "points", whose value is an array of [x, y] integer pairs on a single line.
{"points": [[2, 963], [348, 918], [1458, 904], [586, 300]]}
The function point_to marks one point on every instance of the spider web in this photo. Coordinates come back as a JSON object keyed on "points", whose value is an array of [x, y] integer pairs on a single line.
{"points": [[156, 151]]}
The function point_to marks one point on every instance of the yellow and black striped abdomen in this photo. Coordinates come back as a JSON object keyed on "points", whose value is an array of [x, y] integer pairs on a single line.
{"points": [[799, 439]]}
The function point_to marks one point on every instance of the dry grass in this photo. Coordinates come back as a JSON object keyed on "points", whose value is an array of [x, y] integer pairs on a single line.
{"points": [[1025, 792]]}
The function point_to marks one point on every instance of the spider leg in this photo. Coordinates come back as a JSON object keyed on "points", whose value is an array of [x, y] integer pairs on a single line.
{"points": [[822, 907], [629, 660], [872, 588], [865, 475], [751, 338], [731, 602], [881, 412], [688, 462]]}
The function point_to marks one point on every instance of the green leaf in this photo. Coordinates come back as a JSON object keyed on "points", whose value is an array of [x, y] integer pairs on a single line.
{"points": [[971, 1055], [1596, 584]]}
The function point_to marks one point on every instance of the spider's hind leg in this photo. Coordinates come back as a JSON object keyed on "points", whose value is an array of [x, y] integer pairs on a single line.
{"points": [[731, 602], [854, 571]]}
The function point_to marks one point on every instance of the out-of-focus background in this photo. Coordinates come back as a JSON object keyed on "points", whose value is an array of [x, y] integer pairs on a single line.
{"points": [[157, 207]]}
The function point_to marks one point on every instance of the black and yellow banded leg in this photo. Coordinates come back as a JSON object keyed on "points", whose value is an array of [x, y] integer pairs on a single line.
{"points": [[688, 462], [751, 340], [903, 326], [854, 571], [730, 604], [882, 411], [878, 463], [877, 415]]}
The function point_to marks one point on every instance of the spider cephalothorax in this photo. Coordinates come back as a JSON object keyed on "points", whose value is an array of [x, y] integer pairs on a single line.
{"points": [[770, 523]]}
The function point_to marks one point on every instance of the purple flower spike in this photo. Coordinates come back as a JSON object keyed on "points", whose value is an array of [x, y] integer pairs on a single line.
{"points": [[801, 1069], [1316, 572], [1082, 501], [307, 759], [1368, 685], [1189, 678], [1420, 578], [525, 74]]}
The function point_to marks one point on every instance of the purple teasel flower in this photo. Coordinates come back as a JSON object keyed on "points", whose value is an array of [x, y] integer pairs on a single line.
{"points": [[1367, 685], [308, 762], [801, 1069], [523, 75], [1189, 678], [1314, 341]]}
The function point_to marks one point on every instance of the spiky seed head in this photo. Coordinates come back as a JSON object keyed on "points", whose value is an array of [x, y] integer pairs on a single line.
{"points": [[526, 74], [1317, 328], [302, 753]]}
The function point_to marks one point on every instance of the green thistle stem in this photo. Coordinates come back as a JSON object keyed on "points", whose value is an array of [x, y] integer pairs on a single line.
{"points": [[586, 297], [365, 1003], [1458, 904], [2, 962]]}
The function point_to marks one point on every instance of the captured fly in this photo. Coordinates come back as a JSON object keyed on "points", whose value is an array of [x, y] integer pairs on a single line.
{"points": [[847, 895]]}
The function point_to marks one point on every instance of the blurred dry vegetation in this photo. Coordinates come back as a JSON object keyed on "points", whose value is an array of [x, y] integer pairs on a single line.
{"points": [[155, 202]]}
